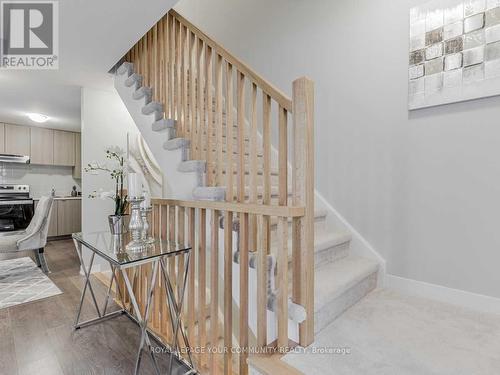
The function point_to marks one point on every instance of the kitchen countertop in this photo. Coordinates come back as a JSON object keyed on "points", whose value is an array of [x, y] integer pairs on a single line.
{"points": [[57, 198]]}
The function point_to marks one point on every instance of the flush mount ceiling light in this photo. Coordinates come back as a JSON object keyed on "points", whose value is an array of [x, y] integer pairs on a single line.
{"points": [[37, 117]]}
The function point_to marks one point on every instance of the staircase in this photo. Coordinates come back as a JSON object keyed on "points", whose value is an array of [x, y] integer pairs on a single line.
{"points": [[198, 168]]}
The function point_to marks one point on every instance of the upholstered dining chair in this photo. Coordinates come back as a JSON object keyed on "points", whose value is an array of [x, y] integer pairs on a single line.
{"points": [[34, 237]]}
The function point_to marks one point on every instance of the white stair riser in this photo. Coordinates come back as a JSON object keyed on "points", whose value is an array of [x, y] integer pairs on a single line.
{"points": [[337, 306], [332, 254]]}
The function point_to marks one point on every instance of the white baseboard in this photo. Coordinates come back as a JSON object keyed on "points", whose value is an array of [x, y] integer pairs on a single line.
{"points": [[359, 245], [457, 297]]}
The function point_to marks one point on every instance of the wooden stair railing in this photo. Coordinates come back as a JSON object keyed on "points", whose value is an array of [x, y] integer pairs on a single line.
{"points": [[214, 98]]}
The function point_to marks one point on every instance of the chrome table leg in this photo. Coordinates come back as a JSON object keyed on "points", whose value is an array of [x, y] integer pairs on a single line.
{"points": [[143, 321], [87, 283], [175, 310]]}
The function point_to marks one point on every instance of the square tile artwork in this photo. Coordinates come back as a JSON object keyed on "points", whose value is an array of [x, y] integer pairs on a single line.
{"points": [[454, 52]]}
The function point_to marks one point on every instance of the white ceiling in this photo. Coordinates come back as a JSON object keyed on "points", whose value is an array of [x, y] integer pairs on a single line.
{"points": [[93, 36]]}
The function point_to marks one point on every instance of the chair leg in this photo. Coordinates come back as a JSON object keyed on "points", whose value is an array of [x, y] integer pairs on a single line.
{"points": [[41, 259], [37, 259]]}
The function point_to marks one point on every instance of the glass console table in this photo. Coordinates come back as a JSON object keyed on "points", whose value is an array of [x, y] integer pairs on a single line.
{"points": [[113, 250]]}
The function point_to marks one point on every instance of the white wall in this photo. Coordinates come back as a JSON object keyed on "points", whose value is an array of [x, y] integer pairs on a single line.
{"points": [[105, 122], [423, 187]]}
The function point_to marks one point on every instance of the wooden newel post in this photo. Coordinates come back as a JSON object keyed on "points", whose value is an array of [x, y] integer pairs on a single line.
{"points": [[303, 195]]}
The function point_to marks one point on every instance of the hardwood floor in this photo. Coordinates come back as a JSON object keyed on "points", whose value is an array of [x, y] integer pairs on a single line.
{"points": [[38, 337]]}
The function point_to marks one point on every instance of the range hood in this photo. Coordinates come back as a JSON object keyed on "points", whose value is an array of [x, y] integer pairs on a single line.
{"points": [[8, 158]]}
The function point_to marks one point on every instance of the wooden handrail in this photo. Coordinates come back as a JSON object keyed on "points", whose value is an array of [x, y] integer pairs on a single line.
{"points": [[253, 209], [266, 86]]}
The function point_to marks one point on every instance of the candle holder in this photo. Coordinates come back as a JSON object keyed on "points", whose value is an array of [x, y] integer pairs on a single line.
{"points": [[137, 245], [145, 225]]}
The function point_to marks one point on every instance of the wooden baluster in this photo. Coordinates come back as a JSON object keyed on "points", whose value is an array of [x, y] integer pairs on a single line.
{"points": [[137, 53], [139, 57], [201, 101], [218, 118], [159, 62], [210, 117], [282, 297], [192, 81], [265, 228], [184, 81], [178, 70], [144, 60], [303, 194], [229, 133], [180, 239], [228, 291], [166, 36], [283, 157], [240, 87], [134, 56], [155, 226], [262, 282], [172, 69], [266, 140], [214, 290], [202, 286], [189, 81], [243, 327], [145, 81], [181, 228], [191, 277], [154, 58], [282, 233], [253, 168], [172, 237], [150, 58], [165, 323]]}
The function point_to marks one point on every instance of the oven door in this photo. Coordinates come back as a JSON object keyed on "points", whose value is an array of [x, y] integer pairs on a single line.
{"points": [[15, 214]]}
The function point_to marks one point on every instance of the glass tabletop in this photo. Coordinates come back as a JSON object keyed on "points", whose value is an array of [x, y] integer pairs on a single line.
{"points": [[113, 248]]}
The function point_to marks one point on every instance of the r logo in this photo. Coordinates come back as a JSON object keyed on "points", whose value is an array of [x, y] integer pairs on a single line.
{"points": [[27, 28]]}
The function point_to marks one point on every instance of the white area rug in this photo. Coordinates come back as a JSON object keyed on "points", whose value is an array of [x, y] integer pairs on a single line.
{"points": [[22, 281]]}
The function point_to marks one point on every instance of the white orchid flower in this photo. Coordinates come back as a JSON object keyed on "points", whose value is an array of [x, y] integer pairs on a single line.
{"points": [[106, 195]]}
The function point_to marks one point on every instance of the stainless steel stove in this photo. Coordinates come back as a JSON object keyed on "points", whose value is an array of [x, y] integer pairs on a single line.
{"points": [[16, 207]]}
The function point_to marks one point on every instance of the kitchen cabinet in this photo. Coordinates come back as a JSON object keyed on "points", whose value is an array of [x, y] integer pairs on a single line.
{"points": [[64, 148], [17, 140], [65, 217], [42, 146], [69, 212], [77, 170], [2, 138]]}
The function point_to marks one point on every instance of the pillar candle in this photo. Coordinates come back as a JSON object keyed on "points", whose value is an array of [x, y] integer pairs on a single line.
{"points": [[133, 185], [146, 203]]}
